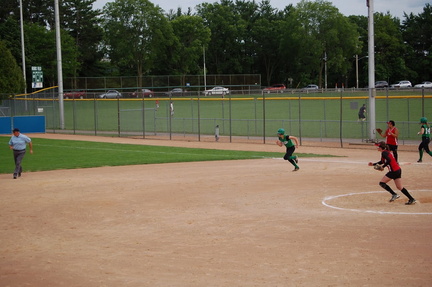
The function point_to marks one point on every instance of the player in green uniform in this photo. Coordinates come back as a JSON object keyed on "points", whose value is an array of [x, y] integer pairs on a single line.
{"points": [[425, 133], [290, 147]]}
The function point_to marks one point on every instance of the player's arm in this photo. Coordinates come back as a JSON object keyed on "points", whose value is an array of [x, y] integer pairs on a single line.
{"points": [[422, 130], [386, 161], [295, 140], [395, 132]]}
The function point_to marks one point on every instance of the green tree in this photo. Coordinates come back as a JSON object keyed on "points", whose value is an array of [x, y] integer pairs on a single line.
{"points": [[80, 20], [136, 34], [192, 36], [11, 77], [40, 50], [267, 33], [225, 41], [332, 39], [417, 34], [390, 50]]}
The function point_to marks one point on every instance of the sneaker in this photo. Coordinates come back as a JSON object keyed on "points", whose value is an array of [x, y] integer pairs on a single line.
{"points": [[394, 197], [296, 159], [419, 160], [411, 201], [296, 169]]}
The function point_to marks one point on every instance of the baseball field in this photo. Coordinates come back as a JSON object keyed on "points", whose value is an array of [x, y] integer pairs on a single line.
{"points": [[249, 222]]}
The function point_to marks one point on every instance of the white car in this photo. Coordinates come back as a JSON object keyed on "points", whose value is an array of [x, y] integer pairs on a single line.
{"points": [[402, 84], [425, 84], [216, 91]]}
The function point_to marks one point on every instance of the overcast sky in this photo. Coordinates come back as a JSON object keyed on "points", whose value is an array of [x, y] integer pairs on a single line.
{"points": [[346, 7]]}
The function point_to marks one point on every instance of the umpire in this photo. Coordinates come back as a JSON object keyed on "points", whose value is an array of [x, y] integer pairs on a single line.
{"points": [[18, 143]]}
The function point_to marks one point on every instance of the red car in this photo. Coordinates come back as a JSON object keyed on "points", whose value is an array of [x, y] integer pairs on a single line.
{"points": [[75, 95], [142, 92], [277, 88]]}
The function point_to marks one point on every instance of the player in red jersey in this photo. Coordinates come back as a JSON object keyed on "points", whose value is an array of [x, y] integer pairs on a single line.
{"points": [[395, 173], [391, 135]]}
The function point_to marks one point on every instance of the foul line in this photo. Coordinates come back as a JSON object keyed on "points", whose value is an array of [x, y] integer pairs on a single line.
{"points": [[328, 198]]}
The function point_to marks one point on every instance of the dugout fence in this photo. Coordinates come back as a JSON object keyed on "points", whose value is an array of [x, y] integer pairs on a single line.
{"points": [[322, 116]]}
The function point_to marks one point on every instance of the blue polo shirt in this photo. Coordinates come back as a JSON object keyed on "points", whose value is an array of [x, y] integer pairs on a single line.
{"points": [[19, 142]]}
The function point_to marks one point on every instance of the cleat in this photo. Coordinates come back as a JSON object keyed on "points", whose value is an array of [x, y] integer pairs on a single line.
{"points": [[296, 169], [411, 201], [14, 176], [419, 160], [296, 159], [394, 197]]}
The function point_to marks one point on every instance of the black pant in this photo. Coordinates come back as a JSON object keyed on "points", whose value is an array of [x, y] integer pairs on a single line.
{"points": [[393, 148], [424, 144]]}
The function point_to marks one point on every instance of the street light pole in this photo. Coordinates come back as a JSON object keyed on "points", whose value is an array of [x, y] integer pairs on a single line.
{"points": [[59, 63], [357, 72], [325, 70], [371, 69], [357, 80], [23, 50]]}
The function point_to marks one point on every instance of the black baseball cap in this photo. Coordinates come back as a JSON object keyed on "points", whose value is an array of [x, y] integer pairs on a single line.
{"points": [[16, 130]]}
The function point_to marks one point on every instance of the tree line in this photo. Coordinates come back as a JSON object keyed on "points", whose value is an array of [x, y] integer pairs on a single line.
{"points": [[137, 38]]}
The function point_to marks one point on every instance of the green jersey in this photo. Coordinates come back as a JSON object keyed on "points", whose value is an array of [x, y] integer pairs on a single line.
{"points": [[286, 141], [426, 133]]}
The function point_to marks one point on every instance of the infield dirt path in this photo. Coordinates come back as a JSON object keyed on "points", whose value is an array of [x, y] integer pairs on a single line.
{"points": [[224, 223]]}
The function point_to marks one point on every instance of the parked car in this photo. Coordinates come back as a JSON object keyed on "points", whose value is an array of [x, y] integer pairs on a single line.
{"points": [[176, 92], [381, 84], [311, 87], [402, 84], [425, 84], [142, 92], [75, 95], [277, 88], [111, 94], [216, 91]]}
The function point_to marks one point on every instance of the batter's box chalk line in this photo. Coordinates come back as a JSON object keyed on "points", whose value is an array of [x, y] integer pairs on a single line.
{"points": [[327, 199]]}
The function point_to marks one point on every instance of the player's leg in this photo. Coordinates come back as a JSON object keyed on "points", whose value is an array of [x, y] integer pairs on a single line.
{"points": [[399, 185], [420, 149], [393, 148], [289, 157], [426, 146], [383, 184]]}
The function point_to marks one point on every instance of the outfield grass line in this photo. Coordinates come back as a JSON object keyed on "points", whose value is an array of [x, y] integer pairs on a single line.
{"points": [[157, 152]]}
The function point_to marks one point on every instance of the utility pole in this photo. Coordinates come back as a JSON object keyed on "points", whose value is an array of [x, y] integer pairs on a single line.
{"points": [[371, 69], [59, 64]]}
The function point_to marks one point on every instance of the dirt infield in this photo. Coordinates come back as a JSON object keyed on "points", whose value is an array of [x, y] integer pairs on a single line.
{"points": [[225, 223]]}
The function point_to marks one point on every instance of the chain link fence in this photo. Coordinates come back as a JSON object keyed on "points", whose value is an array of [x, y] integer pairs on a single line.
{"points": [[242, 115]]}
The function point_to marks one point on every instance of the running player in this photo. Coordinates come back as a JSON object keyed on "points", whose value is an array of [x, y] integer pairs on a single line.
{"points": [[425, 133], [395, 173], [290, 147]]}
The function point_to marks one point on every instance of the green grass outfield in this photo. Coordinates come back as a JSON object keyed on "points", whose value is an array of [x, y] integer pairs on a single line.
{"points": [[52, 154]]}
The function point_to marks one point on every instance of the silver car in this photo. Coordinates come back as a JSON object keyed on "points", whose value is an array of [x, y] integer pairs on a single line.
{"points": [[111, 94], [216, 91], [402, 84]]}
